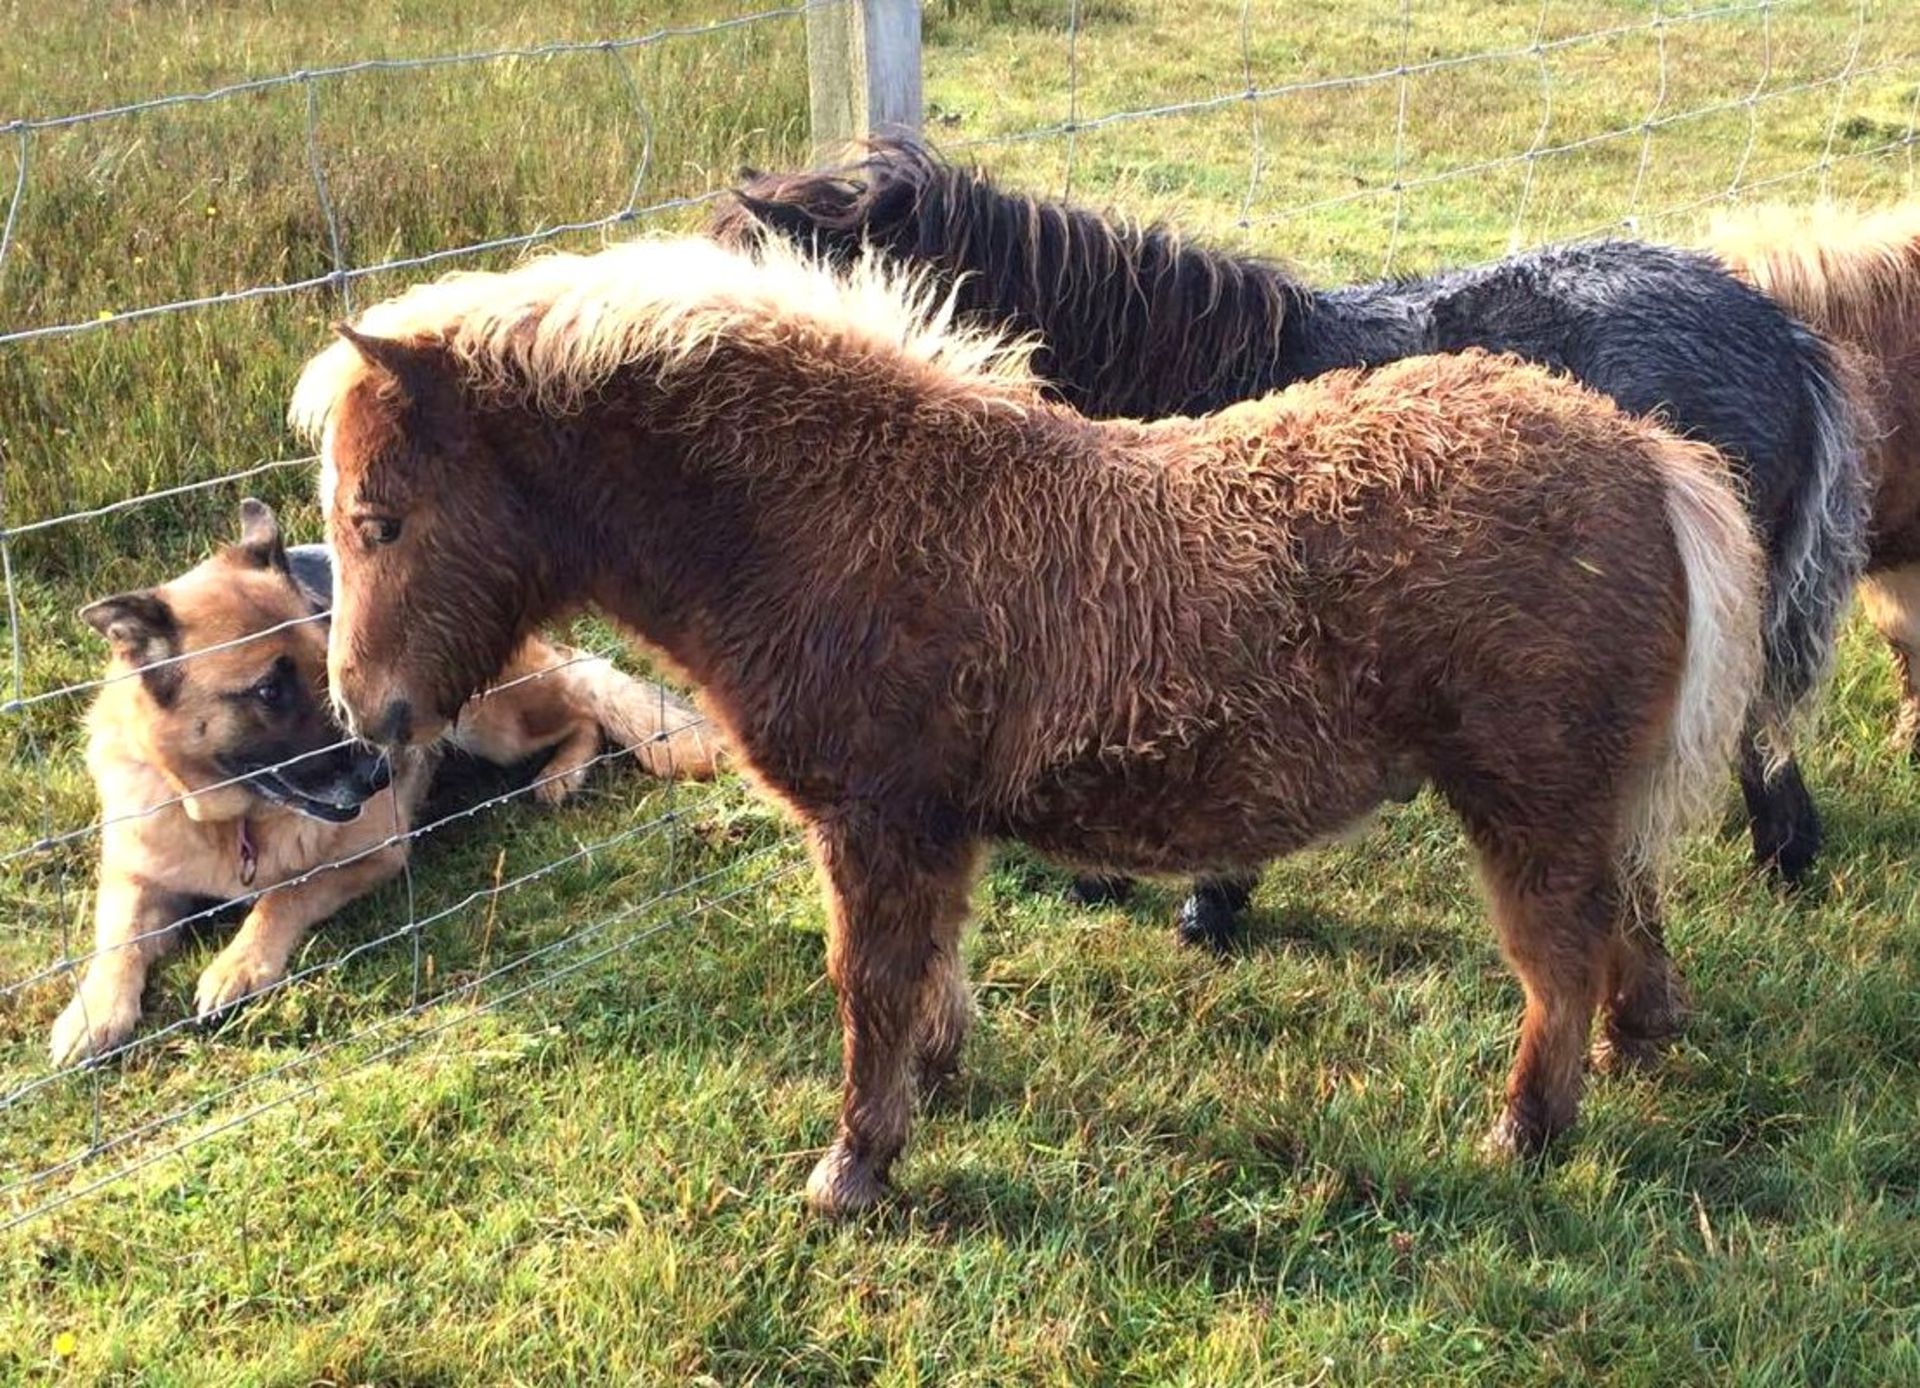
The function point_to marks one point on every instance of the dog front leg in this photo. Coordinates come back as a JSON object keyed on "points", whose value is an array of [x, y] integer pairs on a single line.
{"points": [[134, 925], [256, 958]]}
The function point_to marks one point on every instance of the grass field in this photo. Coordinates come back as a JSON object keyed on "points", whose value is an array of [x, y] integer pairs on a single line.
{"points": [[1157, 1168]]}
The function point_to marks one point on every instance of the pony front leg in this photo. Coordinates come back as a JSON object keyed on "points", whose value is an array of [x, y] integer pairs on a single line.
{"points": [[1892, 600], [895, 906], [944, 1015], [1210, 917], [1784, 823]]}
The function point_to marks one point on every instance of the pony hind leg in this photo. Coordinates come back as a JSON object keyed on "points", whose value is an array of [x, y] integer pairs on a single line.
{"points": [[1892, 600], [1782, 818], [896, 904], [1556, 920], [1646, 1004]]}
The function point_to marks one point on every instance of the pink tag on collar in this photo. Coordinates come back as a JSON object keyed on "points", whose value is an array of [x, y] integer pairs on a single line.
{"points": [[249, 856]]}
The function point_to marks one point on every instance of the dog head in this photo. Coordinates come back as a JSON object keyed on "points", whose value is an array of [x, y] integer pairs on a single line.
{"points": [[223, 684]]}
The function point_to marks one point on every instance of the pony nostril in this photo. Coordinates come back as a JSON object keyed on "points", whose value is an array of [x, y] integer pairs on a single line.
{"points": [[381, 776], [394, 725]]}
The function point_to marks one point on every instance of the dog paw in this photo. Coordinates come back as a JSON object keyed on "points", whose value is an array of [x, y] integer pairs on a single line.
{"points": [[558, 790], [232, 978], [93, 1024], [842, 1184]]}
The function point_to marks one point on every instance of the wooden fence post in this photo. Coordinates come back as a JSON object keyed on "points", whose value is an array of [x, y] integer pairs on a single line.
{"points": [[863, 70]]}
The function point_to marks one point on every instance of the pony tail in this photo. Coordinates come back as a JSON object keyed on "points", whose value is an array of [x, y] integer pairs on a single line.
{"points": [[1819, 552], [1722, 670], [666, 735]]}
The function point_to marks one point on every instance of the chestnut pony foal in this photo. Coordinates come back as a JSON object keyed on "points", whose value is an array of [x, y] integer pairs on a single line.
{"points": [[932, 610]]}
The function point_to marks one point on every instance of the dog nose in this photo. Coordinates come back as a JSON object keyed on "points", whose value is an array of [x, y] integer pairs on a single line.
{"points": [[392, 726]]}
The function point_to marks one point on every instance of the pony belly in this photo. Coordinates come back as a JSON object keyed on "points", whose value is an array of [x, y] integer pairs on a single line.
{"points": [[1205, 824]]}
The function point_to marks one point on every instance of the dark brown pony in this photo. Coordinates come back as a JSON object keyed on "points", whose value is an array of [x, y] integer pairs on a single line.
{"points": [[1856, 277], [933, 610]]}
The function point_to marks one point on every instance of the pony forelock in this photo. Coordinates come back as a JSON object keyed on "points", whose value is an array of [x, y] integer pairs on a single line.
{"points": [[555, 329]]}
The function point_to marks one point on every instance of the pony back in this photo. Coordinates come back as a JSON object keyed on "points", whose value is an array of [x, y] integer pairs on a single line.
{"points": [[1854, 276]]}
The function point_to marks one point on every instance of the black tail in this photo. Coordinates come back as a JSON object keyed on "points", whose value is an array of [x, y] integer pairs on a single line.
{"points": [[1819, 548], [1133, 321]]}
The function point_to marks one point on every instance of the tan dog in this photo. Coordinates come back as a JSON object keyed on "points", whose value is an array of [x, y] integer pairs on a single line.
{"points": [[222, 772]]}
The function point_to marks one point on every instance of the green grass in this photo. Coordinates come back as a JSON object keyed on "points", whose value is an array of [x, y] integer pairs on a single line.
{"points": [[1157, 1168]]}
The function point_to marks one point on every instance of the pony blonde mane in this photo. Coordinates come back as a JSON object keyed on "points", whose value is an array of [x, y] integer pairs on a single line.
{"points": [[555, 329], [1851, 274]]}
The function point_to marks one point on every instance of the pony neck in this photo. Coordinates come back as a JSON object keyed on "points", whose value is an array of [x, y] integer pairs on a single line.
{"points": [[764, 481]]}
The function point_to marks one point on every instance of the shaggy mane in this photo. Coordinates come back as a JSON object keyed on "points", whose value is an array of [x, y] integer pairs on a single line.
{"points": [[1105, 293], [555, 329]]}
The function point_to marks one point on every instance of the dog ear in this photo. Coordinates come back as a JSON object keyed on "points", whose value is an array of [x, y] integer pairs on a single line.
{"points": [[140, 627], [260, 541]]}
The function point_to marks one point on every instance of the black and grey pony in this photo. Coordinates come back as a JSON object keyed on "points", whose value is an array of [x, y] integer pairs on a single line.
{"points": [[1135, 322]]}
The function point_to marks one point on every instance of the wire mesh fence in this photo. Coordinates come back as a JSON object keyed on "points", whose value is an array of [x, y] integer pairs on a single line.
{"points": [[167, 262]]}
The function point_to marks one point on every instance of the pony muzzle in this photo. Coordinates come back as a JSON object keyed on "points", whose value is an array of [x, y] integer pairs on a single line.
{"points": [[392, 725], [385, 718]]}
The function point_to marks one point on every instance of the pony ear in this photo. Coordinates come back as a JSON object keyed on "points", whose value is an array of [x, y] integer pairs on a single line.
{"points": [[770, 212], [260, 540], [418, 364]]}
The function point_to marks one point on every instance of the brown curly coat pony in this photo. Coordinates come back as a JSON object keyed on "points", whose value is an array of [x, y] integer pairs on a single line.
{"points": [[933, 610]]}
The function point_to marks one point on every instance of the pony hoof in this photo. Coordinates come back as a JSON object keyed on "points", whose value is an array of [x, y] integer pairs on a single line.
{"points": [[1787, 853], [1637, 1031], [1791, 866], [1207, 924], [1100, 891], [1517, 1139], [843, 1185], [1620, 1053]]}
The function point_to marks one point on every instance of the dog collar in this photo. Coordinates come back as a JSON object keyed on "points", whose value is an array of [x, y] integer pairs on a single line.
{"points": [[249, 856]]}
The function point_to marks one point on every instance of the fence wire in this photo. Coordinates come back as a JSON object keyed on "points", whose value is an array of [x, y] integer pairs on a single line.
{"points": [[122, 1113]]}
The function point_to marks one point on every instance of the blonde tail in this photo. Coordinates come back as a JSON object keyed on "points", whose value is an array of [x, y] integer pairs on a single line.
{"points": [[1725, 572]]}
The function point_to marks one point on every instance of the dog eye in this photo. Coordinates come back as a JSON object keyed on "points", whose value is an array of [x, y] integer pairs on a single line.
{"points": [[380, 530]]}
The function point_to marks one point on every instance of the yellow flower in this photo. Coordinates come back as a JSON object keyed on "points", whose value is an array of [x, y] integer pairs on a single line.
{"points": [[66, 1344]]}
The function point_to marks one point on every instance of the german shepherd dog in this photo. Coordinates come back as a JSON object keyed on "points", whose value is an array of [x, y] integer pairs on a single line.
{"points": [[222, 773]]}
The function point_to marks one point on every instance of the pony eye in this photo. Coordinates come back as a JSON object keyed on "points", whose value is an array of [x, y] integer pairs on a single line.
{"points": [[271, 691], [380, 530]]}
